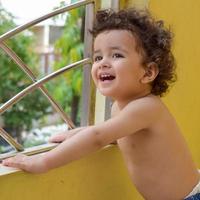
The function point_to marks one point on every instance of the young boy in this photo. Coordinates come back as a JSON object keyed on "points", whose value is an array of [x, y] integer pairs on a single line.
{"points": [[133, 65]]}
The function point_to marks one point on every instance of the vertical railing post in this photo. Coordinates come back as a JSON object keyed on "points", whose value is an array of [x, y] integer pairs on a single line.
{"points": [[88, 89], [115, 5], [103, 104]]}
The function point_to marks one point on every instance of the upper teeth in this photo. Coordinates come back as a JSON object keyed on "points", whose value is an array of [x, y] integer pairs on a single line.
{"points": [[105, 75]]}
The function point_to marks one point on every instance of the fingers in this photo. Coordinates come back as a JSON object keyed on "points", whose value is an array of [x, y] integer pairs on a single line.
{"points": [[16, 162], [65, 135], [32, 164], [58, 138]]}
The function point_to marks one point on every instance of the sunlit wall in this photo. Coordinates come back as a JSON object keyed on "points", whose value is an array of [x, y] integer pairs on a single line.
{"points": [[184, 98]]}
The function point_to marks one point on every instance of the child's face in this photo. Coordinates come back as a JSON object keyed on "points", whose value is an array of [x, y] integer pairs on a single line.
{"points": [[117, 69]]}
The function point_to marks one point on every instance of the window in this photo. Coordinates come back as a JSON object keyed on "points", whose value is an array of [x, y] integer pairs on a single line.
{"points": [[37, 109]]}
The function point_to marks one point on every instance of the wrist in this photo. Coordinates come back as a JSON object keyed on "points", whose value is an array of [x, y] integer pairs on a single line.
{"points": [[46, 162]]}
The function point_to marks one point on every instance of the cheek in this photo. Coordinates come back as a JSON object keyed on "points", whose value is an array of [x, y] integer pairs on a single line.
{"points": [[129, 77], [94, 74]]}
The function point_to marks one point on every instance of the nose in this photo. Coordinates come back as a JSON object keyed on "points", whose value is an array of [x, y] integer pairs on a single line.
{"points": [[104, 64]]}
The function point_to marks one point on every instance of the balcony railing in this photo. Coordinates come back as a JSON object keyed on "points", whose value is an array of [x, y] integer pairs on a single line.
{"points": [[88, 91]]}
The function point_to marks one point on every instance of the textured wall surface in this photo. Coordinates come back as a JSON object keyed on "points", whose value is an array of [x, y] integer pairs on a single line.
{"points": [[184, 98]]}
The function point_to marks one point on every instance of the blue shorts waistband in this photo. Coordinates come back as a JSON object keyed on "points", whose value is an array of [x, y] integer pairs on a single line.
{"points": [[194, 197]]}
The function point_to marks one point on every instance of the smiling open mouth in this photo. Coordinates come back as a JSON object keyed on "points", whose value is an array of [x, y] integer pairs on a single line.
{"points": [[106, 77]]}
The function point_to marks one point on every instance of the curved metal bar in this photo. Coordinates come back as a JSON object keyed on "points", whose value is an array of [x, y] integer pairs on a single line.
{"points": [[10, 140], [40, 82], [17, 60], [42, 18], [29, 73]]}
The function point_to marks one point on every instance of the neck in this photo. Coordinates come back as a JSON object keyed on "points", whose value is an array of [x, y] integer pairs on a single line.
{"points": [[123, 102]]}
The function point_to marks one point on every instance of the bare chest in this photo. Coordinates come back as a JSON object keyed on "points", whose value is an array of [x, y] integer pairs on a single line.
{"points": [[136, 142]]}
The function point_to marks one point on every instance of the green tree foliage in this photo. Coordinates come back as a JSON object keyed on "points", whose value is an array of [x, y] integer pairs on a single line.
{"points": [[13, 80], [70, 47]]}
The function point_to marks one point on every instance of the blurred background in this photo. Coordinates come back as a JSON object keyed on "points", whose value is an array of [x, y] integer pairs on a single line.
{"points": [[44, 48]]}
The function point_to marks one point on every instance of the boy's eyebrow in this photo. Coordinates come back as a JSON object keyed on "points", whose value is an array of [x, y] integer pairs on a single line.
{"points": [[112, 48], [118, 48]]}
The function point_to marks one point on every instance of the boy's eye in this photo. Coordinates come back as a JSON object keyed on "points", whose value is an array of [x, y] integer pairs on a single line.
{"points": [[97, 58], [118, 55]]}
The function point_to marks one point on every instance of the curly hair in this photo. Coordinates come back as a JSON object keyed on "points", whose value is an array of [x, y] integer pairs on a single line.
{"points": [[153, 40]]}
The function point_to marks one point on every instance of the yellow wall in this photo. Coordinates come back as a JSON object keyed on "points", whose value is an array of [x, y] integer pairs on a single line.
{"points": [[100, 176], [184, 98]]}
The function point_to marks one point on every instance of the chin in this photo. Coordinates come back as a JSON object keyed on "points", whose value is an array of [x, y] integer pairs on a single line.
{"points": [[106, 93]]}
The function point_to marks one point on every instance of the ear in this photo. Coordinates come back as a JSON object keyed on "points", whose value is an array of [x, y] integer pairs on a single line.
{"points": [[151, 72]]}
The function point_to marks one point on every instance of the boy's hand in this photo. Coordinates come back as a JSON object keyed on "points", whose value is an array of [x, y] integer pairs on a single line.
{"points": [[33, 164], [60, 137]]}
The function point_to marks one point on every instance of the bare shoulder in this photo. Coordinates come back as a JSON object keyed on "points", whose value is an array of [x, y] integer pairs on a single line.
{"points": [[148, 108], [150, 103], [136, 115]]}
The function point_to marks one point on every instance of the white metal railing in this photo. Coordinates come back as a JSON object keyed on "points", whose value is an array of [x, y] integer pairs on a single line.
{"points": [[88, 89], [29, 73]]}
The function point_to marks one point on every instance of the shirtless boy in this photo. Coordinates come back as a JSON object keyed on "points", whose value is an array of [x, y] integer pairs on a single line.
{"points": [[133, 65]]}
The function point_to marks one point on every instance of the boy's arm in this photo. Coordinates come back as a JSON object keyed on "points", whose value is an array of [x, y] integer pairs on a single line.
{"points": [[134, 117]]}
